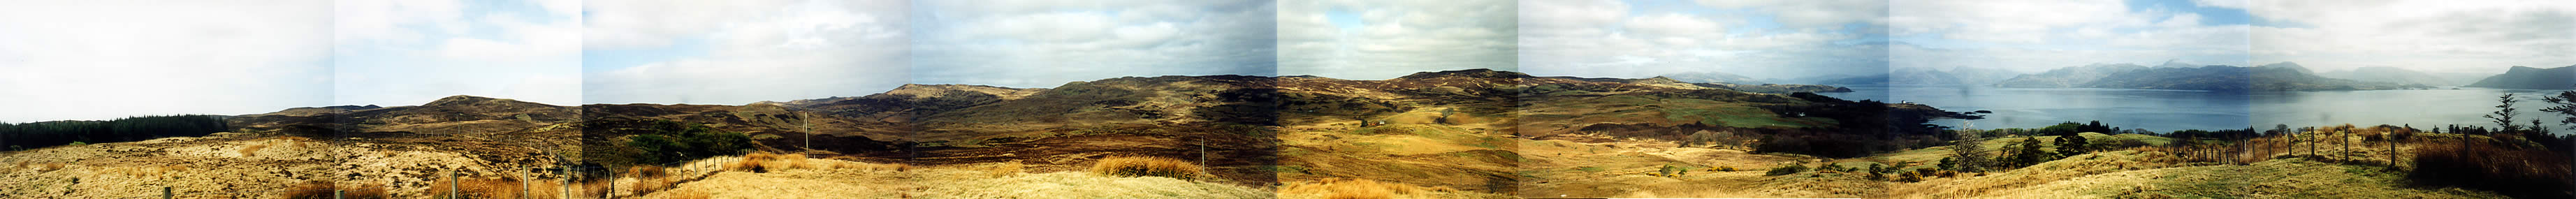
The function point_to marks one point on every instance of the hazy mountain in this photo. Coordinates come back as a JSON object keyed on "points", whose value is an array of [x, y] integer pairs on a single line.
{"points": [[2521, 77], [1957, 76], [2389, 75], [2284, 76], [2068, 77], [1712, 77]]}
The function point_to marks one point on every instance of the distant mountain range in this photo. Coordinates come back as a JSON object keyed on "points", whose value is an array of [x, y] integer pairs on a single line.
{"points": [[2069, 77], [2284, 76], [2521, 77], [1713, 77], [2403, 76], [1957, 76]]}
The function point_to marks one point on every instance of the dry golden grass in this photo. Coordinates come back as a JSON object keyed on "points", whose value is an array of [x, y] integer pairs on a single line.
{"points": [[762, 162], [646, 171], [689, 195], [497, 188], [252, 150], [1147, 166], [323, 190], [1339, 188]]}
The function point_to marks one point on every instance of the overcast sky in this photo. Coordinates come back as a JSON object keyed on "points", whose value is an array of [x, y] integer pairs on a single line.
{"points": [[1048, 43], [2429, 35], [1646, 38], [739, 52], [113, 58], [95, 60], [411, 52], [1376, 39]]}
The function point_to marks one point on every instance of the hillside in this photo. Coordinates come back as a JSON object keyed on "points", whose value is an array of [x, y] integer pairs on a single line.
{"points": [[2531, 78], [1451, 133]]}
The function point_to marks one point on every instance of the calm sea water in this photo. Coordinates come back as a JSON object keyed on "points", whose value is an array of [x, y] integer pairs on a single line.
{"points": [[2167, 110]]}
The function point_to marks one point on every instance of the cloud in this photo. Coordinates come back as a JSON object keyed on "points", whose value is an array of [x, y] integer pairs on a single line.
{"points": [[1772, 39], [1049, 43], [93, 60], [413, 52], [2451, 36], [789, 50], [1396, 38]]}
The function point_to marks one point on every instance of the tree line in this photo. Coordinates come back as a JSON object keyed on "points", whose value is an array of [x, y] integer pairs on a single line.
{"points": [[21, 136]]}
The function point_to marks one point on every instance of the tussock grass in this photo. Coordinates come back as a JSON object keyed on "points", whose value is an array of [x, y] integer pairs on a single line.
{"points": [[689, 195], [322, 190], [647, 171], [764, 162], [252, 150], [505, 187], [1083, 185], [2518, 171], [1340, 188], [1131, 166]]}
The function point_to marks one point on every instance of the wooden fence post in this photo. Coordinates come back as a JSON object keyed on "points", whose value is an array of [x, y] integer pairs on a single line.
{"points": [[451, 184], [524, 183]]}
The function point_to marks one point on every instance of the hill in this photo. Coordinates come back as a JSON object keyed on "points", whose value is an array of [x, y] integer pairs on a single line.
{"points": [[2531, 78]]}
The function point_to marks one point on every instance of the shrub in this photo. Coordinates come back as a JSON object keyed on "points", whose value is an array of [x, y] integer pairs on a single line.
{"points": [[2526, 173], [1786, 170], [1130, 166], [668, 141], [1722, 168]]}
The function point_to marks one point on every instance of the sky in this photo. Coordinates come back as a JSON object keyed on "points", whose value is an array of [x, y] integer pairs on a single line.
{"points": [[96, 60], [1376, 39], [1647, 38], [739, 52], [2035, 35], [411, 52], [113, 58], [1041, 44]]}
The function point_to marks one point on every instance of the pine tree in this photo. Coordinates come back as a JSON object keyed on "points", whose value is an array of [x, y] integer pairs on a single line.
{"points": [[2504, 113]]}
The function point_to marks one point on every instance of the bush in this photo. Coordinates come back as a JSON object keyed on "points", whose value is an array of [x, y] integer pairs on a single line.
{"points": [[670, 141], [1786, 170], [1147, 166], [2525, 173]]}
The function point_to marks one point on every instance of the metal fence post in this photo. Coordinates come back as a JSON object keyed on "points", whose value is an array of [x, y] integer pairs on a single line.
{"points": [[165, 193], [335, 193]]}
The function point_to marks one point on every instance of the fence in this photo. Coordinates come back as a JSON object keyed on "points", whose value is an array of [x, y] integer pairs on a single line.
{"points": [[452, 184]]}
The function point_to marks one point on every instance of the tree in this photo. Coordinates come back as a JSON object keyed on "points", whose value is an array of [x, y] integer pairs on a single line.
{"points": [[2071, 145], [2028, 153], [2563, 104], [2504, 114], [1971, 153]]}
